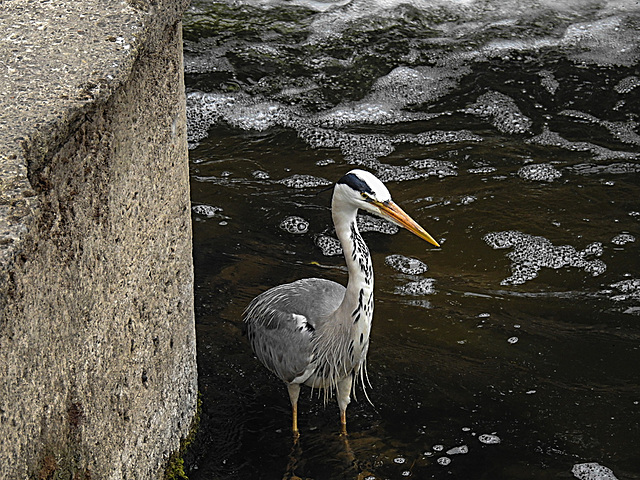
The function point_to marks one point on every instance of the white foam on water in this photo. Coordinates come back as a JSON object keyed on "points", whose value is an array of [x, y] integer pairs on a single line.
{"points": [[609, 169], [623, 239], [622, 131], [532, 253], [548, 81], [367, 223], [482, 170], [405, 86], [461, 450], [549, 138], [502, 111], [592, 471], [627, 84], [208, 211], [437, 168], [540, 172], [294, 224], [426, 286], [329, 246], [627, 291], [304, 181], [397, 173], [406, 265], [260, 175], [489, 439]]}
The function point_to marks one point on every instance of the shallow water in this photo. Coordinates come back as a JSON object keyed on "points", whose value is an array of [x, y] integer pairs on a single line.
{"points": [[511, 134]]}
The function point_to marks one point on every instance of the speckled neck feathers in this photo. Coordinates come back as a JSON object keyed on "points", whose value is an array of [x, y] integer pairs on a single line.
{"points": [[351, 323]]}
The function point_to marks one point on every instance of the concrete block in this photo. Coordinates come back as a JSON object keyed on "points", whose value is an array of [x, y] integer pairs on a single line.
{"points": [[97, 339]]}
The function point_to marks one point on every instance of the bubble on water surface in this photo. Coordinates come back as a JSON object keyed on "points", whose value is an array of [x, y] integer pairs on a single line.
{"points": [[260, 175], [329, 246], [426, 286], [482, 170], [592, 471], [435, 137], [203, 110], [355, 147], [259, 116], [304, 181], [393, 173], [367, 113], [607, 41], [541, 172], [239, 110], [295, 225], [406, 265], [629, 290], [489, 439], [208, 211], [405, 86], [461, 450], [367, 223], [628, 286], [432, 167], [532, 253], [548, 81], [611, 169], [627, 84], [324, 162], [623, 131], [512, 340], [501, 111], [623, 239], [204, 56], [549, 138], [444, 461]]}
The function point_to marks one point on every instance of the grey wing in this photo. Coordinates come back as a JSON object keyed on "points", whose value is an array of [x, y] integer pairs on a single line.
{"points": [[282, 321]]}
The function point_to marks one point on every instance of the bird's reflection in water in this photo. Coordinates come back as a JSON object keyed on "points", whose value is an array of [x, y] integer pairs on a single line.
{"points": [[344, 456]]}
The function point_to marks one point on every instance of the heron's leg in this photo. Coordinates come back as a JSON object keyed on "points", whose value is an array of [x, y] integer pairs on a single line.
{"points": [[294, 393], [344, 390]]}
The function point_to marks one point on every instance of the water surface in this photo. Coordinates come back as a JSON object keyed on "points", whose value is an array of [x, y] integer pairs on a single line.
{"points": [[511, 134]]}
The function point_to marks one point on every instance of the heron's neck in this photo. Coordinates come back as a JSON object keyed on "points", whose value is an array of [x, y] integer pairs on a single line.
{"points": [[359, 295]]}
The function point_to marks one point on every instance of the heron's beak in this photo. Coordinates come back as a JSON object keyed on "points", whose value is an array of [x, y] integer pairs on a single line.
{"points": [[398, 216]]}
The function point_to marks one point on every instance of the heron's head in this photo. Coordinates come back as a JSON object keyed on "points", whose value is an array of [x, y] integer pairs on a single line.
{"points": [[364, 190]]}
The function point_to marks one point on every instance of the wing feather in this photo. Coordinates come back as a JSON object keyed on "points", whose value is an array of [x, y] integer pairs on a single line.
{"points": [[281, 324]]}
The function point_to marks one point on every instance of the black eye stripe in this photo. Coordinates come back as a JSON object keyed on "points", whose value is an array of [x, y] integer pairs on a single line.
{"points": [[356, 183]]}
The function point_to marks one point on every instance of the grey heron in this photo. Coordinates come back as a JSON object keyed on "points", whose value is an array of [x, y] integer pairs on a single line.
{"points": [[315, 331]]}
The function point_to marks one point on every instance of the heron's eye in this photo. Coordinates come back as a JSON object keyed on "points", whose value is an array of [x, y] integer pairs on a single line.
{"points": [[365, 196]]}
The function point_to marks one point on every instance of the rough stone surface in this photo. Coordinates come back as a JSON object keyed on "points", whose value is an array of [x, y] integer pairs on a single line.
{"points": [[97, 340]]}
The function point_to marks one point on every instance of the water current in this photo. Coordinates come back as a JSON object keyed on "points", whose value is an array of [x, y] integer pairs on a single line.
{"points": [[510, 131]]}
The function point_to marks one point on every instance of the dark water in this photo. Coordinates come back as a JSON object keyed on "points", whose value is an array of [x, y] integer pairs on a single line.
{"points": [[510, 132]]}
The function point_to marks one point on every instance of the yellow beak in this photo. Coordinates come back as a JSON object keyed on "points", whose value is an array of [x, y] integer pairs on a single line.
{"points": [[398, 216]]}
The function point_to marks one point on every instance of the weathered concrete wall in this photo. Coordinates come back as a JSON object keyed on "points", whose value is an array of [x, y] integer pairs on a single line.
{"points": [[97, 340]]}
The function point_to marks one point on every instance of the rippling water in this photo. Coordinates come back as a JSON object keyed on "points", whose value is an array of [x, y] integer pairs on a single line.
{"points": [[509, 130]]}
